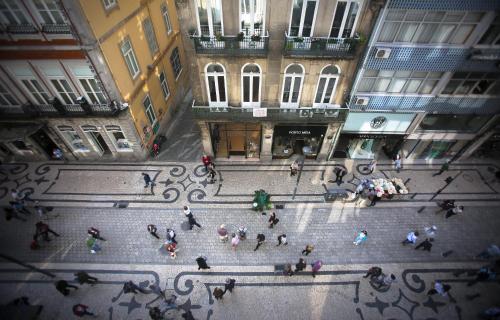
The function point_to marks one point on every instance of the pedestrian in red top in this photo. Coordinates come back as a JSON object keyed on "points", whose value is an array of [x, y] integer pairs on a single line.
{"points": [[81, 310], [206, 161]]}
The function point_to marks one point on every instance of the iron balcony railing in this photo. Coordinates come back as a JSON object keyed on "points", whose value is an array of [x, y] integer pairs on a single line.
{"points": [[56, 28], [239, 45], [320, 47], [57, 110], [309, 115], [21, 29]]}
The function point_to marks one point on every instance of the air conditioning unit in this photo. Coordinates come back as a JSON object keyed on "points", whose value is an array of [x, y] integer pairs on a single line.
{"points": [[361, 101], [382, 53], [305, 113], [332, 113]]}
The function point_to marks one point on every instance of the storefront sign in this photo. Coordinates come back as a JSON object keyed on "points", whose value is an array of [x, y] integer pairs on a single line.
{"points": [[299, 131], [375, 122], [259, 112], [378, 122]]}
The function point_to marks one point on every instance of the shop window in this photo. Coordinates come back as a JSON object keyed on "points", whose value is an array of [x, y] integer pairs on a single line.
{"points": [[437, 150], [121, 143], [344, 19], [298, 140], [303, 17], [215, 77], [250, 83], [292, 86], [252, 13], [327, 83], [453, 122], [73, 138], [20, 145], [236, 139], [210, 17]]}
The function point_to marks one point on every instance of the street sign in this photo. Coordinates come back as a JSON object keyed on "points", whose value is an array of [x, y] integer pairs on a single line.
{"points": [[259, 112]]}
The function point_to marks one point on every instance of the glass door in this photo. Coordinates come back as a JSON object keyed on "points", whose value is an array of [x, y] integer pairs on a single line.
{"points": [[303, 17]]}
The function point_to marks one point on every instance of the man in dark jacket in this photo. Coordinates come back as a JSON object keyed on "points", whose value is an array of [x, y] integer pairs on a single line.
{"points": [[83, 277], [260, 240], [202, 263], [301, 265], [62, 286], [229, 285]]}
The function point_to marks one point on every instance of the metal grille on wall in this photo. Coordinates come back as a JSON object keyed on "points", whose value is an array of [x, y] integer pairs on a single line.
{"points": [[430, 104], [445, 4]]}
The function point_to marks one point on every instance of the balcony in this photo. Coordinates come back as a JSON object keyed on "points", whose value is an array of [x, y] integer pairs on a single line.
{"points": [[240, 45], [283, 115], [320, 47], [56, 28], [57, 110], [21, 29]]}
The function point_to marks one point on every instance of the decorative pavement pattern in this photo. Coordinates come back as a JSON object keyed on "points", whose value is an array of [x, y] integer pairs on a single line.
{"points": [[115, 184], [337, 292]]}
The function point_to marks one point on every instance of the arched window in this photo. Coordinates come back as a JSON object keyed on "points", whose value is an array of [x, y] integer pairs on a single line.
{"points": [[250, 84], [292, 86], [327, 83], [216, 85]]}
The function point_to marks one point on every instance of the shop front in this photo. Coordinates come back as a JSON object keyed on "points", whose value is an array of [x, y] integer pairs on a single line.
{"points": [[303, 140], [371, 135], [240, 140]]}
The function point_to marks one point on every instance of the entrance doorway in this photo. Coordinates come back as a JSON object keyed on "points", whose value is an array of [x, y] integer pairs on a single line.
{"points": [[98, 142], [236, 139], [44, 142]]}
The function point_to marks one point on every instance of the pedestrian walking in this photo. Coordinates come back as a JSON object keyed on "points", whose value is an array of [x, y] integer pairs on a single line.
{"points": [[309, 248], [385, 280], [411, 238], [95, 233], [223, 233], [81, 310], [11, 213], [130, 287], [430, 231], [229, 285], [454, 211], [192, 222], [57, 154], [218, 293], [235, 240], [316, 265], [43, 229], [62, 286], [445, 205], [444, 168], [93, 245], [287, 270], [211, 174], [242, 232], [492, 251], [372, 166], [171, 236], [83, 277], [301, 265], [294, 168], [152, 230], [373, 272], [440, 288], [147, 180], [282, 240], [372, 196], [260, 240], [485, 273], [397, 162], [18, 196], [19, 206], [339, 174], [361, 238], [206, 161], [426, 245], [273, 220], [171, 248], [202, 262]]}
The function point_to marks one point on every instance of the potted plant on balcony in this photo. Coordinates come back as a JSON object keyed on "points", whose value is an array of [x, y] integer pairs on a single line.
{"points": [[333, 44], [240, 36], [318, 44], [255, 42], [298, 43], [205, 41]]}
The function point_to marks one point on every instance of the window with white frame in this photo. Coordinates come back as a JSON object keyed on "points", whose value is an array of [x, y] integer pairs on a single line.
{"points": [[250, 83], [252, 15], [215, 75], [64, 91], [473, 83], [164, 85], [6, 99], [129, 56], [292, 86], [150, 36], [344, 19], [417, 26], [175, 61], [327, 83], [12, 13], [303, 17], [492, 35], [72, 138], [150, 112], [399, 82], [118, 137], [93, 91], [109, 4], [166, 17], [36, 91], [210, 17], [49, 11]]}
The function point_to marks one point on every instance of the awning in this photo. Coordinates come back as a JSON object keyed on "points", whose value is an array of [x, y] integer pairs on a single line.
{"points": [[17, 131]]}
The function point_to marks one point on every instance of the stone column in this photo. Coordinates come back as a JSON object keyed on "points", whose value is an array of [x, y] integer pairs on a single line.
{"points": [[328, 141], [206, 141], [267, 141]]}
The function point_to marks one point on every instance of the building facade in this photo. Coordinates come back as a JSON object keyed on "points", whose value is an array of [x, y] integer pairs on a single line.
{"points": [[270, 78], [95, 79], [429, 84]]}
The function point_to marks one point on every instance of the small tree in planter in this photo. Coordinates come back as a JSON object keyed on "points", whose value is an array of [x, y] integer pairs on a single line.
{"points": [[261, 200]]}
